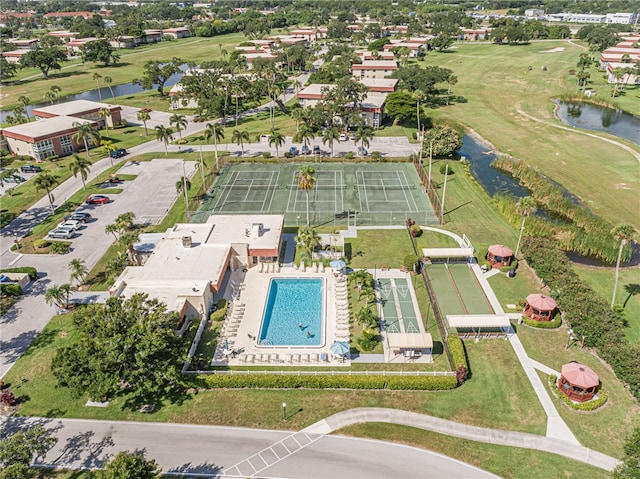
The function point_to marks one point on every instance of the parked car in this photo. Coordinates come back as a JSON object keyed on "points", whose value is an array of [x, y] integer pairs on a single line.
{"points": [[63, 233], [97, 200], [306, 150], [70, 224], [294, 151], [14, 179], [119, 153], [362, 151], [343, 137], [316, 150], [30, 169], [79, 216]]}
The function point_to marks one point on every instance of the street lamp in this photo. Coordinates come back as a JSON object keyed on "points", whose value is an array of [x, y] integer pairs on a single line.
{"points": [[570, 338], [284, 411], [15, 240]]}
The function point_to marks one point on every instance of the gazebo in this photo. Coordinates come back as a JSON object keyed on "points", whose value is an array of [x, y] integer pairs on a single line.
{"points": [[578, 382], [499, 255], [540, 307]]}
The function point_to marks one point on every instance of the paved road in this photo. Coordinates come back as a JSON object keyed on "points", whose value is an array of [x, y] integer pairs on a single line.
{"points": [[211, 451]]}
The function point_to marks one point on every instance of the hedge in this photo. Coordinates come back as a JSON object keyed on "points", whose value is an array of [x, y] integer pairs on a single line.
{"points": [[459, 357], [11, 289], [221, 311], [580, 406], [555, 323], [32, 272], [339, 381]]}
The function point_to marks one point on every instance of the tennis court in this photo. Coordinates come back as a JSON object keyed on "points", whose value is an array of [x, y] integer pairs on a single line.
{"points": [[343, 193], [457, 290], [396, 296]]}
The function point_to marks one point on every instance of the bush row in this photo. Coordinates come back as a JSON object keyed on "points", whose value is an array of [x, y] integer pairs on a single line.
{"points": [[10, 289], [554, 323], [581, 406], [221, 311], [588, 314], [458, 356], [293, 381], [32, 272]]}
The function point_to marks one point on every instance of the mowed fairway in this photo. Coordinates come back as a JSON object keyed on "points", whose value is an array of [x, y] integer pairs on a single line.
{"points": [[496, 82]]}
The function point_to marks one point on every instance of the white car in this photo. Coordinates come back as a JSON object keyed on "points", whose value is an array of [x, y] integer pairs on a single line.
{"points": [[72, 225], [343, 137], [63, 233]]}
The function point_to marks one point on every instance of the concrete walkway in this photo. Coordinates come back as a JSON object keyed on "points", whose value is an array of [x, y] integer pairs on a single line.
{"points": [[463, 431]]}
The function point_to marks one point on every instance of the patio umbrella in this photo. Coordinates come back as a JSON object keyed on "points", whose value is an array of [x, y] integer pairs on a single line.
{"points": [[226, 344], [337, 264], [340, 348]]}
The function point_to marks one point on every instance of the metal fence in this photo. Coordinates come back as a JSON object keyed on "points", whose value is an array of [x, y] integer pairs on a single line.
{"points": [[430, 189], [331, 372]]}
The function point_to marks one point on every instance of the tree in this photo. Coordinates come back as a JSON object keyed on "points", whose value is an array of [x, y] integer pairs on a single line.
{"points": [[306, 182], [629, 468], [451, 81], [215, 131], [164, 135], [86, 132], [124, 221], [277, 139], [19, 450], [105, 113], [78, 270], [25, 103], [96, 78], [82, 166], [363, 135], [128, 239], [330, 135], [100, 51], [108, 81], [52, 94], [308, 238], [124, 347], [183, 185], [365, 317], [157, 72], [107, 148], [525, 206], [111, 229], [180, 121], [400, 106], [239, 137], [445, 141], [58, 295], [7, 70], [144, 116], [632, 289], [304, 135], [622, 233], [130, 464], [44, 59], [441, 42], [45, 181]]}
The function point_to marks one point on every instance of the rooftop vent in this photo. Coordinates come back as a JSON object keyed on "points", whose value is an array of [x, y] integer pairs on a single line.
{"points": [[256, 230], [186, 241]]}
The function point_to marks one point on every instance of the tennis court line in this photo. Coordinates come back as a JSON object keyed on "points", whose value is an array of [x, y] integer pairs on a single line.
{"points": [[271, 190], [225, 193], [406, 182], [365, 191]]}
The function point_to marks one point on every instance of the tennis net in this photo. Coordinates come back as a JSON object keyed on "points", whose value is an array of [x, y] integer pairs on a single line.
{"points": [[237, 186], [382, 186]]}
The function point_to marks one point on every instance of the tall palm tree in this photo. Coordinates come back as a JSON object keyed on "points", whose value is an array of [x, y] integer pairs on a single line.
{"points": [[363, 135], [419, 97], [308, 238], [127, 240], [96, 78], [240, 137], [45, 181], [297, 114], [277, 139], [25, 102], [164, 135], [451, 81], [112, 229], [58, 295], [82, 166], [180, 121], [525, 206], [306, 182], [215, 131], [144, 116], [108, 81], [86, 132], [622, 233], [78, 270], [305, 135], [331, 135], [105, 113]]}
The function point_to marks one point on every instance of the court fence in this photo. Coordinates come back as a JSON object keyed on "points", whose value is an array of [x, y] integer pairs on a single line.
{"points": [[430, 189]]}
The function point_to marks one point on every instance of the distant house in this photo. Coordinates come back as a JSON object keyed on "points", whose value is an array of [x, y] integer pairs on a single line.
{"points": [[31, 44], [366, 55], [85, 109], [374, 69], [616, 54], [64, 35], [474, 34], [414, 48], [7, 18], [380, 85], [152, 36], [178, 32], [630, 78], [14, 56], [58, 15], [250, 57], [126, 41], [74, 47], [309, 34]]}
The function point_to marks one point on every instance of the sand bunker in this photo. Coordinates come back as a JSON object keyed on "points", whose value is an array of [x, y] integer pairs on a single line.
{"points": [[554, 50]]}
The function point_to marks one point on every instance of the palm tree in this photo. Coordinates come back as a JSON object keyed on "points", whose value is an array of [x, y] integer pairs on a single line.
{"points": [[111, 229], [525, 206], [25, 102], [124, 221], [277, 139], [306, 182], [215, 131], [144, 116], [297, 114], [240, 137], [622, 233], [363, 135], [45, 181], [308, 238], [104, 113], [82, 166], [165, 135], [632, 289], [304, 135], [108, 81], [183, 182], [96, 78], [86, 132], [451, 81], [52, 94], [330, 135], [58, 295], [180, 121], [419, 96], [127, 240], [365, 317], [107, 148], [78, 270]]}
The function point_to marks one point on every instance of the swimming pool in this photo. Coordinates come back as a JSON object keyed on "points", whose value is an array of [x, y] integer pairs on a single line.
{"points": [[293, 313]]}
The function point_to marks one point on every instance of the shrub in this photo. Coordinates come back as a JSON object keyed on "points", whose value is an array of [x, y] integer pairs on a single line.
{"points": [[266, 155], [349, 155], [288, 154], [60, 247], [41, 243], [414, 135], [8, 398], [409, 261], [11, 289], [443, 169], [416, 231], [181, 141], [554, 323], [6, 217], [458, 356], [220, 312], [375, 155], [581, 406], [32, 272]]}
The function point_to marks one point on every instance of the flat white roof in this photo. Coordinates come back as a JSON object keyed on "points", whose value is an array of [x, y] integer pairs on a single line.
{"points": [[46, 127], [73, 107], [478, 320], [377, 64], [315, 89], [237, 229], [447, 252], [379, 82], [410, 340]]}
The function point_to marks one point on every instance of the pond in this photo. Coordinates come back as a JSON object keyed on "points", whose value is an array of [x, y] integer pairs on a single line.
{"points": [[599, 118]]}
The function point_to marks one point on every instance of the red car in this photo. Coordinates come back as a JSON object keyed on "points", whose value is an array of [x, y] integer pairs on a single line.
{"points": [[97, 200]]}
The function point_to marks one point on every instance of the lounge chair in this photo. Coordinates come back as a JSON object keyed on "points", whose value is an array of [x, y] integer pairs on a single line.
{"points": [[305, 358], [315, 358], [288, 358], [296, 358], [322, 267], [251, 358], [324, 357]]}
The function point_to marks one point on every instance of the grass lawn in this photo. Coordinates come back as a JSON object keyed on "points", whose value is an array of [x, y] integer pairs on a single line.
{"points": [[76, 77], [514, 290], [150, 99], [604, 429], [601, 280], [381, 248], [501, 84], [499, 460], [494, 381]]}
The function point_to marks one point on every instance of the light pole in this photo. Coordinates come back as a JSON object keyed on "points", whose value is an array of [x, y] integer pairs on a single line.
{"points": [[570, 338], [284, 411]]}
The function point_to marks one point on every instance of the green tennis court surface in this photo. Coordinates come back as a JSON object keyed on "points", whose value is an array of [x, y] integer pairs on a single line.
{"points": [[456, 290], [408, 321], [375, 193]]}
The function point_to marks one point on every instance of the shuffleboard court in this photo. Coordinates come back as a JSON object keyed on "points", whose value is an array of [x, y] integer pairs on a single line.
{"points": [[446, 295], [457, 290], [389, 313], [472, 295], [343, 193], [405, 301]]}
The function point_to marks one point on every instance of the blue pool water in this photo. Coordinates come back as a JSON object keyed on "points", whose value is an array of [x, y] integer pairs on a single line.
{"points": [[291, 302]]}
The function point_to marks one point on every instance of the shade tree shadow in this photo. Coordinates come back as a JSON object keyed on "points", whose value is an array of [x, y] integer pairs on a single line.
{"points": [[82, 450], [190, 468]]}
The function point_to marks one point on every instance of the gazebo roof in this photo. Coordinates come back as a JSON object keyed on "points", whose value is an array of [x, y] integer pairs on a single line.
{"points": [[580, 375], [500, 250], [541, 302]]}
